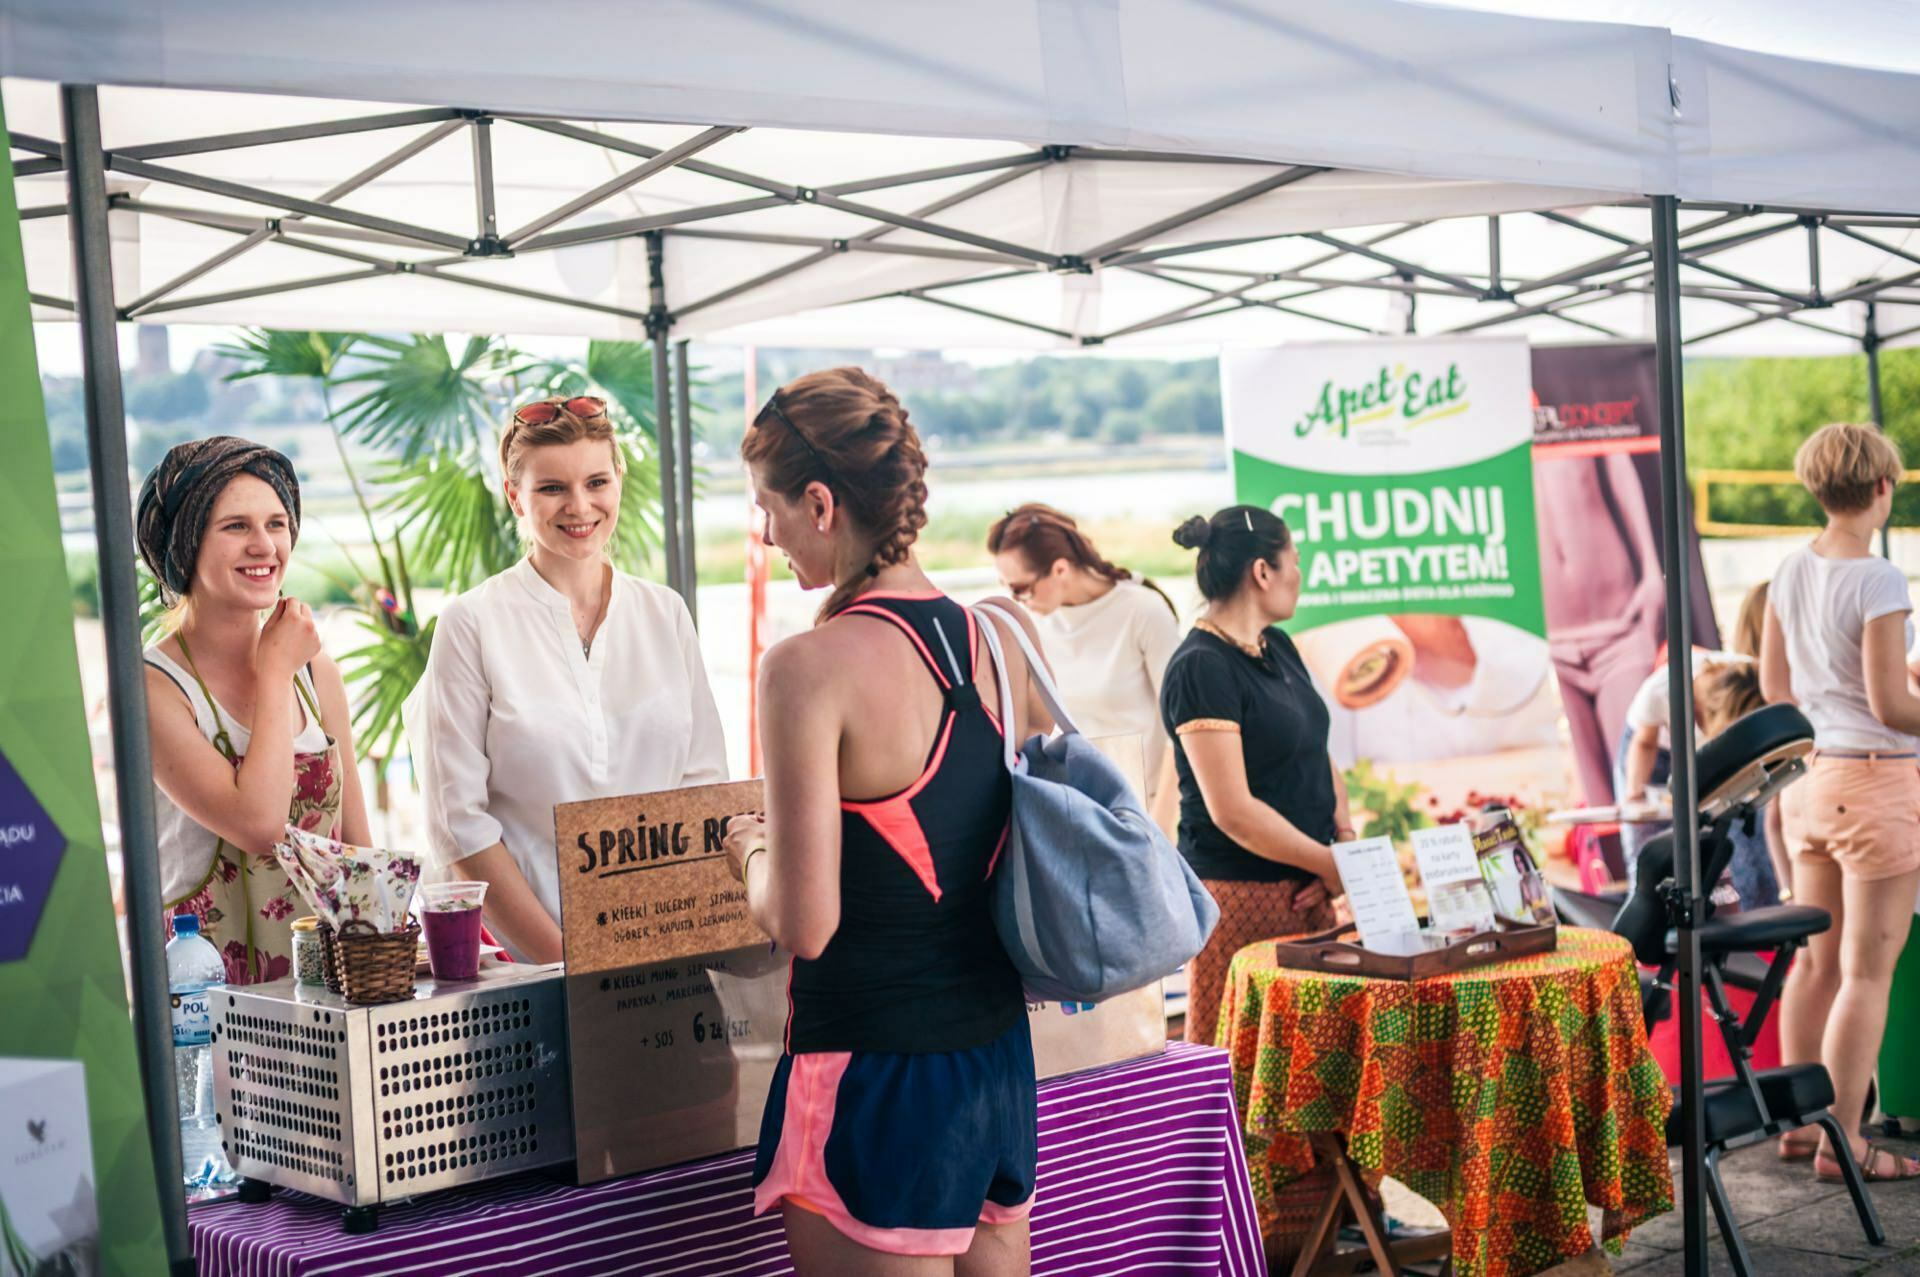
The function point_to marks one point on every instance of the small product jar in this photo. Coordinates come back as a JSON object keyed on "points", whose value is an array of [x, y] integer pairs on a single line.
{"points": [[306, 952]]}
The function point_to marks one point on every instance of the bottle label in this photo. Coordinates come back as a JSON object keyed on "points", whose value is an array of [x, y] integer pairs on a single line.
{"points": [[192, 1017]]}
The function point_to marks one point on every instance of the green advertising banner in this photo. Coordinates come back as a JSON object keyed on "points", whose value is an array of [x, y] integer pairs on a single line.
{"points": [[76, 1172], [1404, 471]]}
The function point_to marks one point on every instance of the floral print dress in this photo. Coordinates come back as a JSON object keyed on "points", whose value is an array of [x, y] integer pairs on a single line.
{"points": [[245, 903]]}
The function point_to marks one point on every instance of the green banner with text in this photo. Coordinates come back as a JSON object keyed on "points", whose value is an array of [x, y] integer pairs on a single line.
{"points": [[1404, 471], [77, 1186]]}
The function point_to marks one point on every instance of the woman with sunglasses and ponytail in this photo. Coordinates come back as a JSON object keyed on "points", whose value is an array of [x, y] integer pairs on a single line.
{"points": [[899, 1134], [559, 680], [1108, 635], [1261, 802]]}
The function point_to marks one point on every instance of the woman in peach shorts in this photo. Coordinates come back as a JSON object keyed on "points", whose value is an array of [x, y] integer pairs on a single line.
{"points": [[1838, 629]]}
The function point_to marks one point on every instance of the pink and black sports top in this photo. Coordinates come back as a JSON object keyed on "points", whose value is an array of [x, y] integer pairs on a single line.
{"points": [[916, 964]]}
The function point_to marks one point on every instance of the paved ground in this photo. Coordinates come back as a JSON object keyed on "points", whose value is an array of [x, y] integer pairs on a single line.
{"points": [[1794, 1225]]}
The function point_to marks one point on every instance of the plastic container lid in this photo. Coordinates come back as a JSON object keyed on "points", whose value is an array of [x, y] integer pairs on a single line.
{"points": [[306, 924], [186, 924]]}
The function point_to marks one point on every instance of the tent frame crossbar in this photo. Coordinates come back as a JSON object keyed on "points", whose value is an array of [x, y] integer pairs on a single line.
{"points": [[1626, 269]]}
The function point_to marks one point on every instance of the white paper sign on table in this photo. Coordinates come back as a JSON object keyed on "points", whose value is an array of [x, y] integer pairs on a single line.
{"points": [[1376, 889], [1445, 855]]}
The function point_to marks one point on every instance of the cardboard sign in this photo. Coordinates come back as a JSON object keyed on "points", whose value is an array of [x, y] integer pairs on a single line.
{"points": [[644, 879], [1376, 890], [706, 1033], [671, 1061]]}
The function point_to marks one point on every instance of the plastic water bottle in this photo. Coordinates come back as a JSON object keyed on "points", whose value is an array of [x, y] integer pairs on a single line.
{"points": [[194, 969]]}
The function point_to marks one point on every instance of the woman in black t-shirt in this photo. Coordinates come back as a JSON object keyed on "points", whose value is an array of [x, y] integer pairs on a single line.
{"points": [[1260, 799]]}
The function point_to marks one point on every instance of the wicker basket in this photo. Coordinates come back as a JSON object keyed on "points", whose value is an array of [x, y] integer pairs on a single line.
{"points": [[329, 958], [376, 966]]}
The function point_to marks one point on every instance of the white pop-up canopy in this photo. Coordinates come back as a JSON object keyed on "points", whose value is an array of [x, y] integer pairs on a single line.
{"points": [[1014, 173], [1070, 172]]}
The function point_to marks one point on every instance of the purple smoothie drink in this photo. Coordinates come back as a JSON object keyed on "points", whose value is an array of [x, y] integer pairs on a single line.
{"points": [[450, 915]]}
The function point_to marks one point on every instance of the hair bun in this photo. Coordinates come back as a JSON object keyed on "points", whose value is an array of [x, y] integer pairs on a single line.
{"points": [[1194, 533]]}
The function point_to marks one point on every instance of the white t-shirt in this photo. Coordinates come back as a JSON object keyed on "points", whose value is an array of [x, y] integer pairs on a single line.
{"points": [[512, 718], [1650, 706], [1824, 606], [1108, 658]]}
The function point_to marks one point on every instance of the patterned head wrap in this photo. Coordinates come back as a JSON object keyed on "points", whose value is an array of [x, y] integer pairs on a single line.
{"points": [[177, 500]]}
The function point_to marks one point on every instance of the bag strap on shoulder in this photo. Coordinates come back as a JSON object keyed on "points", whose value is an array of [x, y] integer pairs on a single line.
{"points": [[1037, 667], [991, 633]]}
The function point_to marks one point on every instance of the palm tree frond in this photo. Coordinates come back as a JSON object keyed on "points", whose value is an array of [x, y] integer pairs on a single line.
{"points": [[416, 397], [279, 352], [459, 522], [385, 672]]}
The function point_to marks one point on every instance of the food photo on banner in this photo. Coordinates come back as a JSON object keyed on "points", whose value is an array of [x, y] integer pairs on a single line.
{"points": [[1404, 471]]}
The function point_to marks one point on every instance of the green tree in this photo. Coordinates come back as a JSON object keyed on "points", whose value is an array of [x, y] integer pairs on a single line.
{"points": [[1753, 414], [168, 397], [1122, 427]]}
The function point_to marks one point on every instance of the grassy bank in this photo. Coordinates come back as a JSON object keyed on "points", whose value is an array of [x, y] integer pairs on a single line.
{"points": [[960, 541]]}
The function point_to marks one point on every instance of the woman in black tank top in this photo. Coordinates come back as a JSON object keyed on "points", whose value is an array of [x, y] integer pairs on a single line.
{"points": [[901, 1118]]}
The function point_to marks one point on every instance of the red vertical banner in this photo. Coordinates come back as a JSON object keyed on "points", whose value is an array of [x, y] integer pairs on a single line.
{"points": [[756, 580], [1596, 476]]}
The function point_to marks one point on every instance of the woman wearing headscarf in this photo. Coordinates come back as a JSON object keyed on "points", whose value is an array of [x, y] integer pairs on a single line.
{"points": [[249, 719]]}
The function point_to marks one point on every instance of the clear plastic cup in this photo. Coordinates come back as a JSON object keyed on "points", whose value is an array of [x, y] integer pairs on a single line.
{"points": [[450, 915]]}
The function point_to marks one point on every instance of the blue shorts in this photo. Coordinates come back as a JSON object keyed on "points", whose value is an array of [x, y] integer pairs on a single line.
{"points": [[903, 1153]]}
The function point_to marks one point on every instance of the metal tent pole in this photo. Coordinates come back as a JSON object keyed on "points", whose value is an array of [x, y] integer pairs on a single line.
{"points": [[1870, 340], [126, 678], [1675, 518], [683, 449], [658, 322]]}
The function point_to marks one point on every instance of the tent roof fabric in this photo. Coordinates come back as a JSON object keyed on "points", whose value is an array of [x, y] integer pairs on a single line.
{"points": [[1039, 172]]}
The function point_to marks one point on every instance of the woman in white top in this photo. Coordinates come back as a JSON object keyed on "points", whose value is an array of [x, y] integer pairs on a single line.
{"points": [[1108, 636], [249, 722], [559, 680], [1837, 632]]}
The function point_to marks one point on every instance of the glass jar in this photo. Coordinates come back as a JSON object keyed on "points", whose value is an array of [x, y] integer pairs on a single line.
{"points": [[307, 964]]}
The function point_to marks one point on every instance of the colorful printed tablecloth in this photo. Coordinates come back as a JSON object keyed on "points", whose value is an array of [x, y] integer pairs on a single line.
{"points": [[1510, 1096], [1140, 1170]]}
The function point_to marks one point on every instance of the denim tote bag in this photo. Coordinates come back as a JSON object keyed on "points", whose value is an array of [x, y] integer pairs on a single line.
{"points": [[1090, 899]]}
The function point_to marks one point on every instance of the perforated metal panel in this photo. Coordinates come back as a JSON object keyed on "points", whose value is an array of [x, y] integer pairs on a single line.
{"points": [[369, 1104]]}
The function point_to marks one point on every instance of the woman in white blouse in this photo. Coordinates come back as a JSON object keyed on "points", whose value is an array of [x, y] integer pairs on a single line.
{"points": [[560, 679], [1108, 636]]}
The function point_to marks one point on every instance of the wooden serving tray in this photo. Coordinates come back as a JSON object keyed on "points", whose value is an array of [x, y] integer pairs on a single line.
{"points": [[1327, 951]]}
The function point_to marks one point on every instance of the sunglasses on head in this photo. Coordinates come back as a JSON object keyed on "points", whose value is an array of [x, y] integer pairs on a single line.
{"points": [[547, 410]]}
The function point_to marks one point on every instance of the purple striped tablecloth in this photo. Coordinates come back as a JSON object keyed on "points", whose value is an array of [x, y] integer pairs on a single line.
{"points": [[1141, 1171]]}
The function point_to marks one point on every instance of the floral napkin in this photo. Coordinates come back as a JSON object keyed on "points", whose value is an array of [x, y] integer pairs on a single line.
{"points": [[345, 883]]}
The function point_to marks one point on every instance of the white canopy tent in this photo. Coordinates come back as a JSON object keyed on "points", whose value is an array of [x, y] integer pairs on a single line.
{"points": [[444, 219], [1056, 172]]}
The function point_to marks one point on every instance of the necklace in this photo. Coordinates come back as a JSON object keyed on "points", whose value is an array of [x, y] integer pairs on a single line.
{"points": [[1254, 650]]}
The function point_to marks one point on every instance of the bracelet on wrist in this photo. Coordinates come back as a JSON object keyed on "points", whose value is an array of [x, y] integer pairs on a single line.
{"points": [[746, 865]]}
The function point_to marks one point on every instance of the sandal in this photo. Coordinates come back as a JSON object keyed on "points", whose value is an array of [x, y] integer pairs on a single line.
{"points": [[1828, 1169], [1798, 1150]]}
